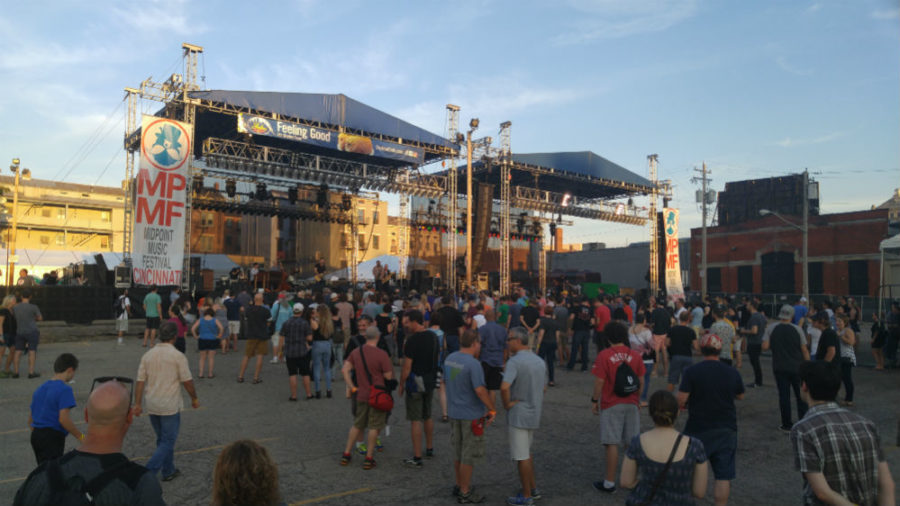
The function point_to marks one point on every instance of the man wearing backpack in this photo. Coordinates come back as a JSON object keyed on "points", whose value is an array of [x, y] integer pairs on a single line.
{"points": [[619, 372], [123, 312], [708, 390], [98, 466]]}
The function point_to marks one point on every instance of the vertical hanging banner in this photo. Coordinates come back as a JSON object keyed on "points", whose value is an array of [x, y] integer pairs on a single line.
{"points": [[159, 203], [674, 288]]}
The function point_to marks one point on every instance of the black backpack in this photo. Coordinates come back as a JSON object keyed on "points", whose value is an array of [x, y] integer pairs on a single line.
{"points": [[119, 306], [75, 491], [626, 380]]}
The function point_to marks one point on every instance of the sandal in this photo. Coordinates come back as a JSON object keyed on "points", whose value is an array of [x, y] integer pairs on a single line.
{"points": [[257, 380], [240, 379], [210, 376], [345, 459], [368, 464], [292, 399], [445, 419]]}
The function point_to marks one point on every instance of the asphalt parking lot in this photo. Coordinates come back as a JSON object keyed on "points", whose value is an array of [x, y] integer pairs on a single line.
{"points": [[306, 438]]}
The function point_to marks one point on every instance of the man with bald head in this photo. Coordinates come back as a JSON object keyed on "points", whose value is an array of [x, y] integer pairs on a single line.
{"points": [[493, 351], [107, 474], [257, 332]]}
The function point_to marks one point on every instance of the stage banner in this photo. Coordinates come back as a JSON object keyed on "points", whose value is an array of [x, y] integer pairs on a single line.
{"points": [[258, 125], [159, 203], [674, 288]]}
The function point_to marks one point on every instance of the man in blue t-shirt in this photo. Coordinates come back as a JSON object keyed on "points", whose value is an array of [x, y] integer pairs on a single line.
{"points": [[708, 390], [467, 398], [49, 418], [493, 352], [233, 314]]}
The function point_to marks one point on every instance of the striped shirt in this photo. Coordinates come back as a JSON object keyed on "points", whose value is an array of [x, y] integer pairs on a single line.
{"points": [[843, 446]]}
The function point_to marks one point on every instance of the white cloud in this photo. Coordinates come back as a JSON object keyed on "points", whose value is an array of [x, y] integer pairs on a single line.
{"points": [[611, 19], [790, 68], [167, 16], [814, 8], [789, 142], [886, 14]]}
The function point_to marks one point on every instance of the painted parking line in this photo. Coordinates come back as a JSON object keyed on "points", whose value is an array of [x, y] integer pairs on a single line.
{"points": [[17, 431], [331, 496]]}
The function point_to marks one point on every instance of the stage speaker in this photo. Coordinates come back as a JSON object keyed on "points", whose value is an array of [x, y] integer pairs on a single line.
{"points": [[483, 208], [194, 278], [418, 280]]}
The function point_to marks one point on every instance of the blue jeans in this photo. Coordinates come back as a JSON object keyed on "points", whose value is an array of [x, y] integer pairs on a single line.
{"points": [[647, 381], [321, 361], [787, 381], [548, 353], [166, 429], [338, 350], [580, 339]]}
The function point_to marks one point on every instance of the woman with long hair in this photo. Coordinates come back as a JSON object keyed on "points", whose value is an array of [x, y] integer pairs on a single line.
{"points": [[222, 318], [640, 337], [323, 331], [245, 474], [281, 312], [662, 466], [848, 355], [207, 331]]}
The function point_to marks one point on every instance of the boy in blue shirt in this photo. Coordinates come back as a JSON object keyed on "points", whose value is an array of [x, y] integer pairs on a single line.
{"points": [[49, 418]]}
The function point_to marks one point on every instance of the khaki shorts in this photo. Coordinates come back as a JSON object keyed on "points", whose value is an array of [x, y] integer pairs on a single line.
{"points": [[520, 443], [122, 325], [234, 327], [467, 448], [367, 416], [619, 424], [256, 347], [418, 406]]}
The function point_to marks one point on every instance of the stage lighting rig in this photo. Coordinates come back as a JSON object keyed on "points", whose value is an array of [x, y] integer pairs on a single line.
{"points": [[230, 188], [262, 192], [520, 223], [322, 196]]}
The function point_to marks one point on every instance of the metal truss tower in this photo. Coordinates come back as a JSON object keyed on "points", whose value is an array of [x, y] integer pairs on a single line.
{"points": [[351, 230], [404, 221], [452, 197], [190, 54], [654, 230], [131, 96], [505, 199]]}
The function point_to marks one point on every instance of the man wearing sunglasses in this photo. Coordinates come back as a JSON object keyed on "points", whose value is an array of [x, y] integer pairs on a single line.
{"points": [[162, 372], [105, 473]]}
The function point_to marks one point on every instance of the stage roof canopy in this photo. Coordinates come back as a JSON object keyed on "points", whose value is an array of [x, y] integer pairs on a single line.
{"points": [[325, 109], [583, 174]]}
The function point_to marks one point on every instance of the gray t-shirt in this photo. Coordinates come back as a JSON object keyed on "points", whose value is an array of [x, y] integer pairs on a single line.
{"points": [[759, 320], [561, 314], [26, 315], [526, 374], [725, 332]]}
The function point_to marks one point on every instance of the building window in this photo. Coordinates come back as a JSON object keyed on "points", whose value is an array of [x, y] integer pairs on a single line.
{"points": [[61, 213], [375, 217], [206, 243], [207, 220], [45, 212], [376, 240], [393, 246], [745, 278], [858, 277], [105, 216], [45, 239], [60, 239], [816, 278], [362, 241], [714, 279], [104, 242], [362, 217]]}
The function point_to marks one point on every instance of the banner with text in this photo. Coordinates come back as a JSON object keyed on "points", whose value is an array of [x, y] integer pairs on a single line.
{"points": [[326, 138], [159, 203], [674, 288]]}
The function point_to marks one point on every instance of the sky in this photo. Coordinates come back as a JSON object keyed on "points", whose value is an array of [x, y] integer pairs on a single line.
{"points": [[754, 89]]}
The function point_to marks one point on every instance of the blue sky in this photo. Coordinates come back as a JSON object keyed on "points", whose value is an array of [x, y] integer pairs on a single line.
{"points": [[755, 89]]}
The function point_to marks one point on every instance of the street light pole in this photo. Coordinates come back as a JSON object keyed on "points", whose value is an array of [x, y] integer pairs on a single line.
{"points": [[11, 266]]}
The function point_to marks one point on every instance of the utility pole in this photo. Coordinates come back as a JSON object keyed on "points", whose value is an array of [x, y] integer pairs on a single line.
{"points": [[704, 198], [806, 234]]}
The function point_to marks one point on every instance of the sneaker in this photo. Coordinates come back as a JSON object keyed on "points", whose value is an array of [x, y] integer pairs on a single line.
{"points": [[603, 488], [369, 464], [785, 428], [318, 395], [413, 462], [34, 375], [345, 459], [471, 498], [14, 375], [328, 394], [536, 493], [455, 491], [273, 361], [378, 446], [362, 449], [429, 452], [750, 385], [175, 474], [519, 500], [120, 342], [5, 374]]}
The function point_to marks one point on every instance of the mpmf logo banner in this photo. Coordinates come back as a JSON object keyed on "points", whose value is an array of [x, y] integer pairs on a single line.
{"points": [[159, 204], [674, 288]]}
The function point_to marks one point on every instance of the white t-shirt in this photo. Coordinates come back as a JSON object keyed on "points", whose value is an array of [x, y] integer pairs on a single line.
{"points": [[126, 304]]}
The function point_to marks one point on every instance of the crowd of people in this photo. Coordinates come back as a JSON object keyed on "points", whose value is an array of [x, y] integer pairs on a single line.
{"points": [[454, 353]]}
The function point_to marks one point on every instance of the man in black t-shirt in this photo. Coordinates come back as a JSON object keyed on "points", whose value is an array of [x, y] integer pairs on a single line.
{"points": [[660, 322], [109, 418], [417, 380], [582, 318], [681, 340], [257, 333], [452, 323], [829, 349], [788, 352]]}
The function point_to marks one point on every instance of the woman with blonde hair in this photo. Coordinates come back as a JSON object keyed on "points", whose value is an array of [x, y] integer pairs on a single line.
{"points": [[245, 474], [8, 325], [323, 331]]}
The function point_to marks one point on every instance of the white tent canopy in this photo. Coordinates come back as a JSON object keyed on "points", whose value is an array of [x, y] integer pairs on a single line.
{"points": [[891, 243], [364, 269]]}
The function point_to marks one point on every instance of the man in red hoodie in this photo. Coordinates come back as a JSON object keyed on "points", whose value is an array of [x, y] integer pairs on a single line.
{"points": [[616, 397]]}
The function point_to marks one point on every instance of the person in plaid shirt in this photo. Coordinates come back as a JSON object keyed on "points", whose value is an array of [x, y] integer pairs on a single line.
{"points": [[838, 452]]}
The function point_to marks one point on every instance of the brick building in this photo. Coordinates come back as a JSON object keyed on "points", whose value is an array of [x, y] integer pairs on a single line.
{"points": [[765, 255]]}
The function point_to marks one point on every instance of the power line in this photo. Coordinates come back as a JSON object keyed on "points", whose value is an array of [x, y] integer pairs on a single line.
{"points": [[89, 144]]}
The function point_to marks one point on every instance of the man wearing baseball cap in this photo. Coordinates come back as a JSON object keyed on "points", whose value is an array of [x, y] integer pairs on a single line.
{"points": [[297, 336], [708, 390], [789, 350]]}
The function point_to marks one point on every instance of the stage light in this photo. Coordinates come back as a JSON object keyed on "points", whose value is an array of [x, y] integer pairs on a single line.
{"points": [[230, 188], [261, 191], [197, 184], [473, 123], [536, 227], [322, 196], [620, 209], [292, 194], [553, 230], [346, 202], [520, 223], [567, 198]]}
